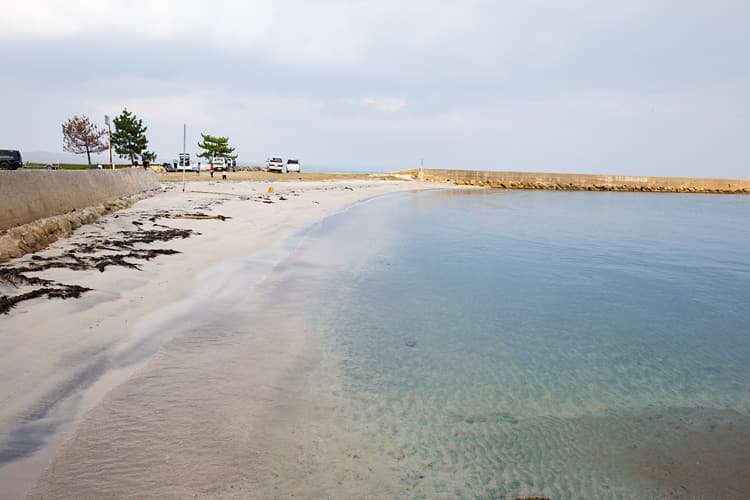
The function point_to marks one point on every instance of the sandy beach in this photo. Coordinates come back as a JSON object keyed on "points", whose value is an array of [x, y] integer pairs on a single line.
{"points": [[62, 360]]}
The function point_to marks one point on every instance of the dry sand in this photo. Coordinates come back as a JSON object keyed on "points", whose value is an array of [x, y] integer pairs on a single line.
{"points": [[59, 359]]}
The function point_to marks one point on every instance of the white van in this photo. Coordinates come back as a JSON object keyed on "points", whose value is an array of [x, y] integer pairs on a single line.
{"points": [[219, 164], [292, 165], [275, 164]]}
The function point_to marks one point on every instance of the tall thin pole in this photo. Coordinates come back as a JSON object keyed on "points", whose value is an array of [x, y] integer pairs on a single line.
{"points": [[184, 167], [109, 128]]}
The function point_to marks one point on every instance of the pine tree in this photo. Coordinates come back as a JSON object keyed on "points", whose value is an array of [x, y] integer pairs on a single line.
{"points": [[214, 147], [129, 136], [148, 157], [81, 136]]}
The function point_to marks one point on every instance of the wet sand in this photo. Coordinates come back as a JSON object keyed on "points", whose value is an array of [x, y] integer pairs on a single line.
{"points": [[60, 359], [694, 453]]}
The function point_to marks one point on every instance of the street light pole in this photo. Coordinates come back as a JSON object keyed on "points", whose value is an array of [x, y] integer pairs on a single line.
{"points": [[184, 135], [109, 129]]}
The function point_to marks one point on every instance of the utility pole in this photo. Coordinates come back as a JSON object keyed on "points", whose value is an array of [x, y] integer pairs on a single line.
{"points": [[109, 129], [184, 146]]}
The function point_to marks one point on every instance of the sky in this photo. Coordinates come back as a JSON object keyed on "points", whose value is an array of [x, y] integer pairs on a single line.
{"points": [[657, 87]]}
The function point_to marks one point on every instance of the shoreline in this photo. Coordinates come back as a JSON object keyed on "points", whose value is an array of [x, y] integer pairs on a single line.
{"points": [[57, 351], [205, 381]]}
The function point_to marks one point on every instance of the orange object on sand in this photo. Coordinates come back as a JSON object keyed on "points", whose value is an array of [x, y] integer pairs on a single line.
{"points": [[270, 189]]}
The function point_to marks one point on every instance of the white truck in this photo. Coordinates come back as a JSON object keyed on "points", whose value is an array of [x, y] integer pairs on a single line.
{"points": [[292, 165], [275, 164]]}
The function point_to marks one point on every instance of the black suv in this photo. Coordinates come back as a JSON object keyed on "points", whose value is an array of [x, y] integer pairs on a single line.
{"points": [[10, 159]]}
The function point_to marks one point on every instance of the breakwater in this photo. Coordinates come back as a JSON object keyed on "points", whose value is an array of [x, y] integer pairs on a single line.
{"points": [[39, 207], [583, 182], [26, 196]]}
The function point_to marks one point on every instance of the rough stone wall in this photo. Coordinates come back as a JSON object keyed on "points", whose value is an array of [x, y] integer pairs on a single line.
{"points": [[584, 182], [28, 195]]}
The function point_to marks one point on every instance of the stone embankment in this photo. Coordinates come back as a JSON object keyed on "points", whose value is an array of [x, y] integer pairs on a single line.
{"points": [[38, 208], [583, 182]]}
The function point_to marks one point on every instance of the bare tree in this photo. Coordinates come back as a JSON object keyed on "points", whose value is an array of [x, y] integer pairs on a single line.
{"points": [[81, 136]]}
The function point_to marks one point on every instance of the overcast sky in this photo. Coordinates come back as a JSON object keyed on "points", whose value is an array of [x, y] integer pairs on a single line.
{"points": [[658, 87]]}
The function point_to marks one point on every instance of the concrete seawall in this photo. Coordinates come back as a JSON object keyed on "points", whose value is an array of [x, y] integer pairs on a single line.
{"points": [[584, 182], [27, 196]]}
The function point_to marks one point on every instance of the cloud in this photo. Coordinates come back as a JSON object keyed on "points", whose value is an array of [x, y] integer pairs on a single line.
{"points": [[158, 109], [381, 104], [257, 124], [583, 84], [326, 33]]}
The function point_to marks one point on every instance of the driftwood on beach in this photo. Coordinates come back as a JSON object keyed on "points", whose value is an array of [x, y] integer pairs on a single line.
{"points": [[202, 217]]}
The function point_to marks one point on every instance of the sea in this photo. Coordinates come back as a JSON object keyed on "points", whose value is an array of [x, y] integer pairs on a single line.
{"points": [[456, 343]]}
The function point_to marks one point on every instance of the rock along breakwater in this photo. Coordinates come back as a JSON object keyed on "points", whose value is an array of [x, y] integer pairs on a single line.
{"points": [[583, 182]]}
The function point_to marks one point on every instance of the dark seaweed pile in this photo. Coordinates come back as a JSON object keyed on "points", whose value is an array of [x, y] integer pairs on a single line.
{"points": [[117, 250]]}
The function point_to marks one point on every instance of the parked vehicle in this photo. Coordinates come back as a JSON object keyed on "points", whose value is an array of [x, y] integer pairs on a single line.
{"points": [[184, 159], [220, 164], [187, 168], [292, 165], [275, 164], [10, 159]]}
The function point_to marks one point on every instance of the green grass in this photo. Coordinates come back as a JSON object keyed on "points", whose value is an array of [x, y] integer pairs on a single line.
{"points": [[70, 166]]}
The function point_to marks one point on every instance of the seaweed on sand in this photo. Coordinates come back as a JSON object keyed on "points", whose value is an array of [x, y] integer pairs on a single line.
{"points": [[119, 250], [62, 291]]}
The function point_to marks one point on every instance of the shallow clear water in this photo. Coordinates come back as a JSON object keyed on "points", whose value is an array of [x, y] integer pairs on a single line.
{"points": [[516, 343], [449, 344]]}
